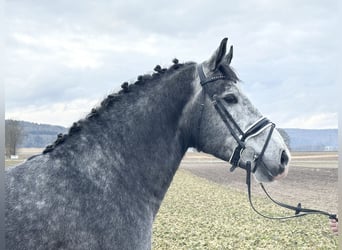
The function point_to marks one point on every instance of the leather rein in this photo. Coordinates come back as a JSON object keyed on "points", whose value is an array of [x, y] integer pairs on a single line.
{"points": [[241, 151]]}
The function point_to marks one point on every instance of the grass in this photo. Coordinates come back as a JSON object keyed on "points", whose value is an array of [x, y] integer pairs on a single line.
{"points": [[198, 214]]}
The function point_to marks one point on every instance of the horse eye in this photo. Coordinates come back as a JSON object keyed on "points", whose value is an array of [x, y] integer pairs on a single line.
{"points": [[230, 98]]}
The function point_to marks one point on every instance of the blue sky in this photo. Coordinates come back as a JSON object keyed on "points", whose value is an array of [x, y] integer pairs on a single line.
{"points": [[63, 57]]}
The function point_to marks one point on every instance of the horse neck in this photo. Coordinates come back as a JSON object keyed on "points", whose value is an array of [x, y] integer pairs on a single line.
{"points": [[140, 138]]}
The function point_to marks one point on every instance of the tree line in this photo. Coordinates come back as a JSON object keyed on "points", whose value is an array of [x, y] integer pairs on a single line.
{"points": [[13, 136], [19, 133]]}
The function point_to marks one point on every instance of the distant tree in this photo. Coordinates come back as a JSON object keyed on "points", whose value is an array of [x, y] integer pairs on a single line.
{"points": [[285, 136], [13, 136]]}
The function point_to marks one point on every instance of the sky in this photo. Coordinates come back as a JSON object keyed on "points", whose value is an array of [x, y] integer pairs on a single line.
{"points": [[63, 57]]}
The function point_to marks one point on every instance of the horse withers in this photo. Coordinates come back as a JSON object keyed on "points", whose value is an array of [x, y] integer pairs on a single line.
{"points": [[100, 186]]}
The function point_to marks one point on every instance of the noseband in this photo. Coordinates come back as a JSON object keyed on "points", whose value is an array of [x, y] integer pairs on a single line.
{"points": [[240, 137]]}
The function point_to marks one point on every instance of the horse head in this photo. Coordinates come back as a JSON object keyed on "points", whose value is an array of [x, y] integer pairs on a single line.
{"points": [[229, 127]]}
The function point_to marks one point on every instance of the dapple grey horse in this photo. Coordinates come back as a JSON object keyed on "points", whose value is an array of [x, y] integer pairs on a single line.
{"points": [[100, 186]]}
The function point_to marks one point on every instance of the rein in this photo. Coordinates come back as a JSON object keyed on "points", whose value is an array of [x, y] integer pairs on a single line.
{"points": [[299, 211], [241, 150]]}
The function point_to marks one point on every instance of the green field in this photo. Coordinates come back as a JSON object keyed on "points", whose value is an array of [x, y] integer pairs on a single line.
{"points": [[197, 214]]}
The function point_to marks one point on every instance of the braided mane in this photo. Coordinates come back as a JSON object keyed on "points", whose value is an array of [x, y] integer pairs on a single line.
{"points": [[111, 99]]}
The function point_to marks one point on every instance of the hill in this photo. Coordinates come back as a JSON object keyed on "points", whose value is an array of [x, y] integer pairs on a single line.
{"points": [[41, 135], [313, 139]]}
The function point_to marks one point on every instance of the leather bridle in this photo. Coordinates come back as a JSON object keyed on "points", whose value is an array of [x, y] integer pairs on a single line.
{"points": [[240, 137]]}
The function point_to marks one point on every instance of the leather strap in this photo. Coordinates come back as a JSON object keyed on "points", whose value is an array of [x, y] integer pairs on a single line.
{"points": [[299, 211], [203, 79], [258, 127]]}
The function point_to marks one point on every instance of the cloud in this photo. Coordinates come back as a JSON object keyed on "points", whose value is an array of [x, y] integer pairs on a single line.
{"points": [[321, 120], [78, 51], [63, 51], [56, 114]]}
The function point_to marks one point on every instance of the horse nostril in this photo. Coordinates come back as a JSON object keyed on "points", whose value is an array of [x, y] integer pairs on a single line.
{"points": [[284, 159]]}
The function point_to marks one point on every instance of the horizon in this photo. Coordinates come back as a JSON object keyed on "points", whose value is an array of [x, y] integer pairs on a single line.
{"points": [[58, 125]]}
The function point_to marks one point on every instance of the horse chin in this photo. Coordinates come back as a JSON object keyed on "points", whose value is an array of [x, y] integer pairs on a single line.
{"points": [[262, 177], [282, 175]]}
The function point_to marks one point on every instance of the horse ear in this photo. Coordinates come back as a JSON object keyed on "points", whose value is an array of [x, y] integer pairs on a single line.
{"points": [[229, 56], [218, 55]]}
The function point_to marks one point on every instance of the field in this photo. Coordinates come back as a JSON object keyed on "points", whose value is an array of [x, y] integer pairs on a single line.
{"points": [[199, 214], [312, 179], [207, 207], [23, 154]]}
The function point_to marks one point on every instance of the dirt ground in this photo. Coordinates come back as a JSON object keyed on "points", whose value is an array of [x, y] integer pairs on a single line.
{"points": [[312, 178]]}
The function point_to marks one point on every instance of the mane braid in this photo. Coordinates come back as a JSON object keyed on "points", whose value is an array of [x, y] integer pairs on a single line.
{"points": [[112, 99]]}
